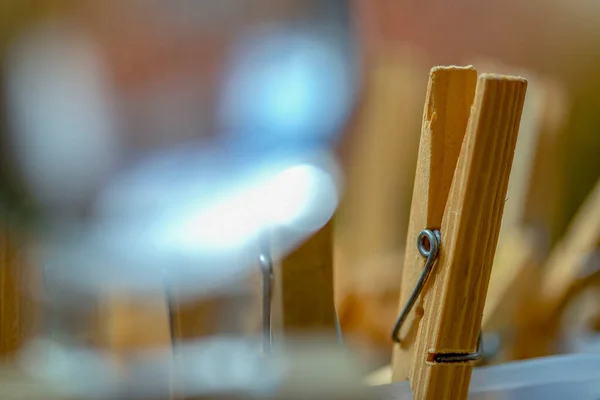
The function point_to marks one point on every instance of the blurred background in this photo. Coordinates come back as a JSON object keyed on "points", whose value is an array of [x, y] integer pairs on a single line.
{"points": [[152, 149]]}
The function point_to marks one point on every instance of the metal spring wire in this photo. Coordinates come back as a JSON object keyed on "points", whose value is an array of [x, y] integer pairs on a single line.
{"points": [[431, 252], [266, 267]]}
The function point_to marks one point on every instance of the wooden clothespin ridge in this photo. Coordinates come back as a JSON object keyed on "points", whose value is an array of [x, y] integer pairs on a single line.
{"points": [[533, 200], [453, 297]]}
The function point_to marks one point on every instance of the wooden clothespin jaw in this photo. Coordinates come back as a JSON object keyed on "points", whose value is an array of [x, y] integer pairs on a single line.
{"points": [[469, 133]]}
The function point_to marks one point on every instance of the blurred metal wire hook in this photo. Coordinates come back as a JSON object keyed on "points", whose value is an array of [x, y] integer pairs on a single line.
{"points": [[266, 267]]}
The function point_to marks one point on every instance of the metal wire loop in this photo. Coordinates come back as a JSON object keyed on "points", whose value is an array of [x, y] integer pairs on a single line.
{"points": [[428, 244], [445, 358]]}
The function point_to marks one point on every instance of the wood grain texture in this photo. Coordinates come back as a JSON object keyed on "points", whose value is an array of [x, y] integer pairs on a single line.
{"points": [[530, 218], [523, 161], [535, 186], [534, 199], [518, 247], [304, 286], [450, 94], [470, 228]]}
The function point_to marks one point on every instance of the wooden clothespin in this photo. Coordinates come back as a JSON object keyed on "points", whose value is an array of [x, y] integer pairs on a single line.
{"points": [[450, 94], [530, 215], [533, 199], [459, 196]]}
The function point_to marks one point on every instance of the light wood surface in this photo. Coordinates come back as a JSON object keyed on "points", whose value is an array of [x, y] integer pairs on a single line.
{"points": [[450, 95], [303, 293], [534, 199], [545, 197], [453, 307]]}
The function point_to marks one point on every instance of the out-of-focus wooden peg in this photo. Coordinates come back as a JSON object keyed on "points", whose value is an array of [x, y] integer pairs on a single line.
{"points": [[303, 299], [571, 267]]}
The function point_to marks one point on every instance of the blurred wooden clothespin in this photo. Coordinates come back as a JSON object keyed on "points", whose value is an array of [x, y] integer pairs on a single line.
{"points": [[302, 300], [468, 138], [573, 266]]}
